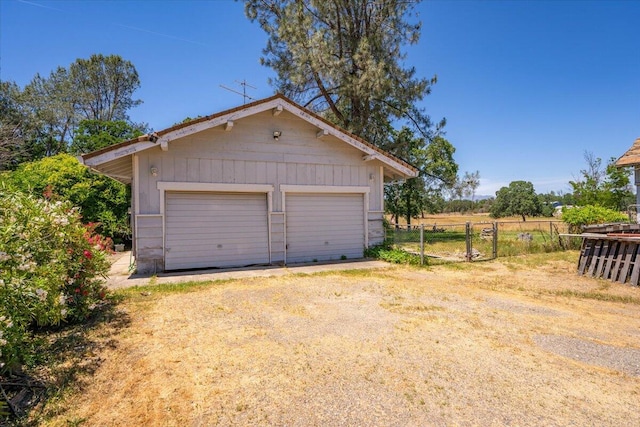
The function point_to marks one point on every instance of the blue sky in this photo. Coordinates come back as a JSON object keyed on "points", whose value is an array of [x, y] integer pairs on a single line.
{"points": [[526, 86]]}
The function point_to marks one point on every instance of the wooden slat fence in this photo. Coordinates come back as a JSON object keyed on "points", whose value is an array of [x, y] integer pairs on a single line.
{"points": [[612, 257]]}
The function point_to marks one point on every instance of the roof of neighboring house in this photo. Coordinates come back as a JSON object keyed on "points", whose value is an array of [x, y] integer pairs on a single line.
{"points": [[631, 157], [109, 156]]}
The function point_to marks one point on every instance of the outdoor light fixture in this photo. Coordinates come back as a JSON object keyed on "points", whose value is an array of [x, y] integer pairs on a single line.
{"points": [[276, 134], [153, 171]]}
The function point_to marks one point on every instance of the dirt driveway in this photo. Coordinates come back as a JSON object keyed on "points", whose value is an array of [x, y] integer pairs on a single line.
{"points": [[520, 341]]}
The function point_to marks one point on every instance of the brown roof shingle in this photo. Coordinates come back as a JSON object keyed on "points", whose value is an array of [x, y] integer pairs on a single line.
{"points": [[631, 157]]}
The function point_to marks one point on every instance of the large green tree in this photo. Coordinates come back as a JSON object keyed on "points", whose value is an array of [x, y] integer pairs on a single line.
{"points": [[51, 103], [439, 172], [93, 135], [437, 169], [519, 198], [608, 186], [104, 87], [344, 59], [617, 187]]}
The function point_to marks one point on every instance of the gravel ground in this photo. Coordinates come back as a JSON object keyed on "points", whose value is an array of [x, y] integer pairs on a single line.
{"points": [[486, 344], [621, 359]]}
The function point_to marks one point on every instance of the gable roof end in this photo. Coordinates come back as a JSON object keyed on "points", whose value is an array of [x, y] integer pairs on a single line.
{"points": [[103, 159]]}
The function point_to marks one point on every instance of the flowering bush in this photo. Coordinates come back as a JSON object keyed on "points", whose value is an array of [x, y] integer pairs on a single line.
{"points": [[99, 198], [51, 269]]}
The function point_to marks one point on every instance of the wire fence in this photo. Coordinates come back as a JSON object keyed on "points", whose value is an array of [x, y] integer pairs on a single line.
{"points": [[477, 241]]}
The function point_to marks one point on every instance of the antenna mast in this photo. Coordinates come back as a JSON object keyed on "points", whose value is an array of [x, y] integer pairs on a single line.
{"points": [[244, 85]]}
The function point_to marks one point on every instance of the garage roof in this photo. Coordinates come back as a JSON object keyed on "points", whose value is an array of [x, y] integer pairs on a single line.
{"points": [[115, 160]]}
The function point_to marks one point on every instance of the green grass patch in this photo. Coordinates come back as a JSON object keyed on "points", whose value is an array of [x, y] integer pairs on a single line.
{"points": [[393, 255]]}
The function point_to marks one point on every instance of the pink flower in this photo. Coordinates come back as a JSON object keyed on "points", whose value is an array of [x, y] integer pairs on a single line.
{"points": [[87, 254]]}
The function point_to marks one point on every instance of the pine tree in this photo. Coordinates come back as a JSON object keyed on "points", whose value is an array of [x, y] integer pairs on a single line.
{"points": [[344, 59]]}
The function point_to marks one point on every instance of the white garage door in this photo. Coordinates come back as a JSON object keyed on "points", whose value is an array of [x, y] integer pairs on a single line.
{"points": [[324, 226], [215, 230]]}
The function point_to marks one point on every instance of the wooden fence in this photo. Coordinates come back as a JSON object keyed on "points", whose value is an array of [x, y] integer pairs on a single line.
{"points": [[613, 256]]}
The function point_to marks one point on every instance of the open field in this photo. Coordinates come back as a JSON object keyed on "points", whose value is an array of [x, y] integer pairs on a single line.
{"points": [[445, 236], [516, 341], [512, 223]]}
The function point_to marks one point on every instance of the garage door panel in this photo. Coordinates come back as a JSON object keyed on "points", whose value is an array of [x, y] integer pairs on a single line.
{"points": [[324, 226], [205, 232], [202, 246], [320, 228], [227, 260], [215, 230], [333, 236]]}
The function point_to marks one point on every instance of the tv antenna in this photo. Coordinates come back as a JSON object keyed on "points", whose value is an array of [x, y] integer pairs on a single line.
{"points": [[244, 85]]}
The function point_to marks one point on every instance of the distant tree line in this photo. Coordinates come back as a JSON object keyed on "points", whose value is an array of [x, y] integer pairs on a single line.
{"points": [[604, 186]]}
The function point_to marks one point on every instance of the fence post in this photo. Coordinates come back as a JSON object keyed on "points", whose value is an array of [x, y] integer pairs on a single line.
{"points": [[468, 239], [495, 240], [421, 244]]}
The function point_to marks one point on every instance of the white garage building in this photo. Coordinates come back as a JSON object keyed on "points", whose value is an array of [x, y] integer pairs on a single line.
{"points": [[266, 183]]}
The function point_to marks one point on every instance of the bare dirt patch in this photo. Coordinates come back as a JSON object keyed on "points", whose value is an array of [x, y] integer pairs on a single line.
{"points": [[511, 342]]}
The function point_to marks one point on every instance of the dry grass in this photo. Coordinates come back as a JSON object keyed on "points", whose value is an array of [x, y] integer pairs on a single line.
{"points": [[509, 224], [508, 342], [456, 218]]}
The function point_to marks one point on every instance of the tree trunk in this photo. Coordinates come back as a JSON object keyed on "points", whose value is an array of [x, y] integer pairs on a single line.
{"points": [[408, 209], [523, 218]]}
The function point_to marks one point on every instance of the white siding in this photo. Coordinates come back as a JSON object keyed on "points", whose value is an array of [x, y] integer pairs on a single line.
{"points": [[148, 243], [376, 228], [215, 230], [248, 154], [324, 227]]}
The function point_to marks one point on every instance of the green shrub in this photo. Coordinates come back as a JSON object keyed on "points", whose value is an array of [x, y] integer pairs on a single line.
{"points": [[577, 217], [101, 200], [388, 253], [51, 270]]}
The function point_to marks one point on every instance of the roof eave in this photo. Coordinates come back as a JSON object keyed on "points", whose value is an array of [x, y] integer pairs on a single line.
{"points": [[163, 137]]}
